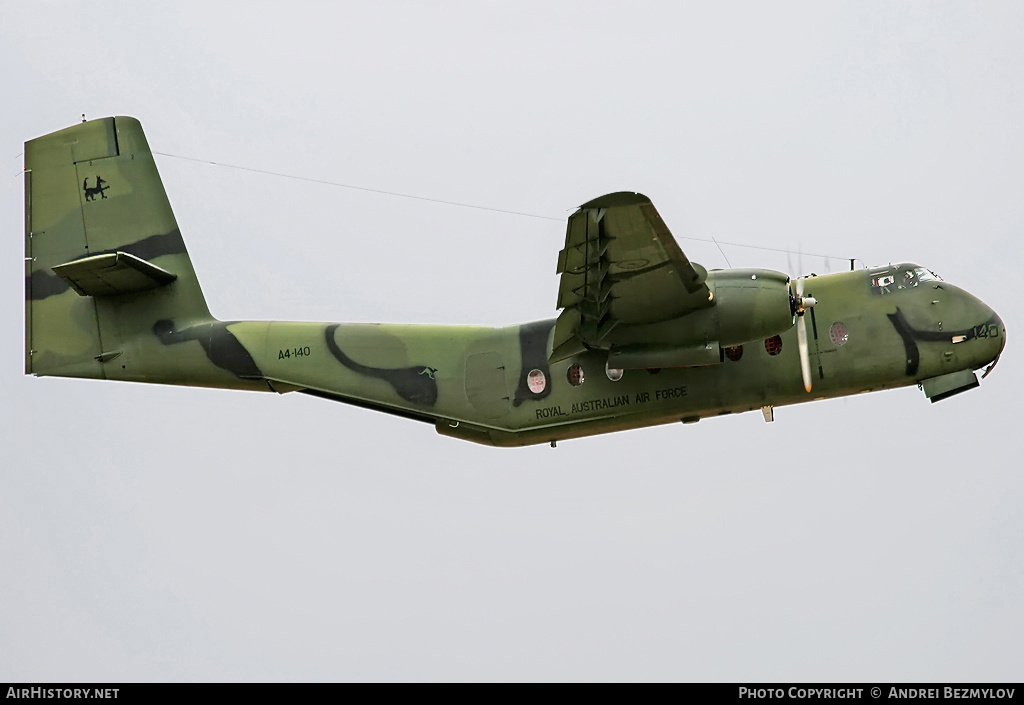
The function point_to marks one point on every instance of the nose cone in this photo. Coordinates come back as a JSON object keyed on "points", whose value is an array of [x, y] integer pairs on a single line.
{"points": [[984, 335], [998, 342], [976, 331]]}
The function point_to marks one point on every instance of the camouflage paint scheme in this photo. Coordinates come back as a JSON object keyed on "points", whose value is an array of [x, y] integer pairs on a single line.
{"points": [[111, 294]]}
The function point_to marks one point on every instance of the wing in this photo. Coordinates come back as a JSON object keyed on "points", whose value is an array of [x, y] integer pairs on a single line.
{"points": [[621, 267]]}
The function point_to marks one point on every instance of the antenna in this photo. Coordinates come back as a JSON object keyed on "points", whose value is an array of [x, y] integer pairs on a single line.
{"points": [[721, 250]]}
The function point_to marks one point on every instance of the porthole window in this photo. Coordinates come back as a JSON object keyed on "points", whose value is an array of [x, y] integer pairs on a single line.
{"points": [[613, 373], [536, 381], [734, 353], [839, 333], [575, 375], [773, 345]]}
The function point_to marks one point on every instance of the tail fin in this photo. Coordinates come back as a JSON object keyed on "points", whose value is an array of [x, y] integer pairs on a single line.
{"points": [[104, 258]]}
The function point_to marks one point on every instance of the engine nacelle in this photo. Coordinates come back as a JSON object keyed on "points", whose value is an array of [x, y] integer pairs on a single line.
{"points": [[751, 304]]}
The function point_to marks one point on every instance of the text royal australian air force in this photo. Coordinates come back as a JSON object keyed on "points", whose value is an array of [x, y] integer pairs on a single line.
{"points": [[582, 407]]}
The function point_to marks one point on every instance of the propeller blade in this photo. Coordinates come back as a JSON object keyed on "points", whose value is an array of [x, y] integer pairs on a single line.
{"points": [[805, 361], [800, 304]]}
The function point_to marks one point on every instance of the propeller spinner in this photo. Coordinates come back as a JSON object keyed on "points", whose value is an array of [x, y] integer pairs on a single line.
{"points": [[799, 304]]}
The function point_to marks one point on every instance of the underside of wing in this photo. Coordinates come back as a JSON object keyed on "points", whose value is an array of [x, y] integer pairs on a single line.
{"points": [[621, 267]]}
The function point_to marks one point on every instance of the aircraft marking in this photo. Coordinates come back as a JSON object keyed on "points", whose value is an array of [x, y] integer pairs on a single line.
{"points": [[582, 407], [91, 191], [410, 383], [288, 353], [670, 393]]}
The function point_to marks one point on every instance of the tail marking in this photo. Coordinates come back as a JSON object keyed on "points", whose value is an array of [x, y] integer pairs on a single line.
{"points": [[100, 187]]}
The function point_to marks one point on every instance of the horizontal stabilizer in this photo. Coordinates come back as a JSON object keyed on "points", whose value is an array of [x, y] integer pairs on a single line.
{"points": [[112, 274]]}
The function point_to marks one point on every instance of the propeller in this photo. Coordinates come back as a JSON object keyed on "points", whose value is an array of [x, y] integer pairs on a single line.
{"points": [[799, 304]]}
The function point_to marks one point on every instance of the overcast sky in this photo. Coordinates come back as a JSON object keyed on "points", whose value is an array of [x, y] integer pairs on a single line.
{"points": [[157, 533]]}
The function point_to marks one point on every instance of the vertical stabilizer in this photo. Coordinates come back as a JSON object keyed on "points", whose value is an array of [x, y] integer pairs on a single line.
{"points": [[104, 258]]}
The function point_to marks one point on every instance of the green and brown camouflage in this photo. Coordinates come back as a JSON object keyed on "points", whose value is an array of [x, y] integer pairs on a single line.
{"points": [[644, 336]]}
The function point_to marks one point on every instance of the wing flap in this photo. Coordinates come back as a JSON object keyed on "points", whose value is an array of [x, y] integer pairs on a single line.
{"points": [[621, 267]]}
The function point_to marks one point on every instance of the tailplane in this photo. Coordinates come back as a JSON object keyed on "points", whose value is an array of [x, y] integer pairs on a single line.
{"points": [[104, 258]]}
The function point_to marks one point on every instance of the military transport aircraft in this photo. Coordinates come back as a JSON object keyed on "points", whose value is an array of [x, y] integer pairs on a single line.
{"points": [[644, 337]]}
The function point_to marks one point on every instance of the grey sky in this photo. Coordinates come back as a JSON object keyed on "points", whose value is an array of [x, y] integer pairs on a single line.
{"points": [[178, 534]]}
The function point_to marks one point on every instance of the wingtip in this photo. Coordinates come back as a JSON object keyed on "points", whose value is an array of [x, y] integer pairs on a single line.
{"points": [[619, 198]]}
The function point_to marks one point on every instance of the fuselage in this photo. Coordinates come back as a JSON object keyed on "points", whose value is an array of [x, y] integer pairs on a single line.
{"points": [[871, 330]]}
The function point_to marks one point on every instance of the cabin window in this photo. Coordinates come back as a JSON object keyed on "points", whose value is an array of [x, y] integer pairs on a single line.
{"points": [[734, 353], [575, 375], [613, 373], [838, 333], [773, 345]]}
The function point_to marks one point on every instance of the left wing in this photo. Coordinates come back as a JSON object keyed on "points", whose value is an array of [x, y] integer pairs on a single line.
{"points": [[621, 267]]}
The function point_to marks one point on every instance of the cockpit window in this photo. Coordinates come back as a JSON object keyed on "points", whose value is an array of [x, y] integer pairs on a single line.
{"points": [[882, 283], [889, 280]]}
